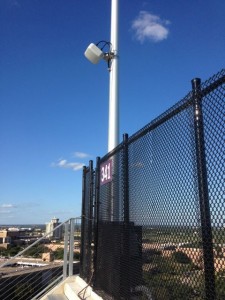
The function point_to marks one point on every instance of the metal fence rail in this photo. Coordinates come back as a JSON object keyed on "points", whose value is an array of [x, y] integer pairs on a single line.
{"points": [[159, 205]]}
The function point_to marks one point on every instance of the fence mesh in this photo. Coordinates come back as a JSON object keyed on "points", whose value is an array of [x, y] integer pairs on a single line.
{"points": [[214, 129], [160, 232], [163, 200]]}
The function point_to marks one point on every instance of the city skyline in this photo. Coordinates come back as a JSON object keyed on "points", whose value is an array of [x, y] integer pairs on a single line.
{"points": [[54, 103]]}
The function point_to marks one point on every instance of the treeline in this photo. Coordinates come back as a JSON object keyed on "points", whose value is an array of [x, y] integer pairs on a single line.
{"points": [[35, 252]]}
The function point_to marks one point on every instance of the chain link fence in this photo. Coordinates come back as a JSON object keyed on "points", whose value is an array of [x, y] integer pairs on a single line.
{"points": [[158, 230]]}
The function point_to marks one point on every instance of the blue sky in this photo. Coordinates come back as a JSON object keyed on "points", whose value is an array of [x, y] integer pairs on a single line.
{"points": [[54, 103]]}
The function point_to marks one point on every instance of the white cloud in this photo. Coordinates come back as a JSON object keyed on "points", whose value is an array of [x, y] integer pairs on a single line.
{"points": [[81, 154], [150, 27], [7, 206], [75, 166], [63, 163]]}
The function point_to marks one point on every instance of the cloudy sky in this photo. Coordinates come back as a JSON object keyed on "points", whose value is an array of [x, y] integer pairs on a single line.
{"points": [[54, 103]]}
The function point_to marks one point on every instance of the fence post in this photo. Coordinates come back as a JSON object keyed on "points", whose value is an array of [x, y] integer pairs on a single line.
{"points": [[96, 216], [90, 220], [126, 180], [206, 229], [126, 266], [65, 258], [71, 247], [83, 220], [90, 212]]}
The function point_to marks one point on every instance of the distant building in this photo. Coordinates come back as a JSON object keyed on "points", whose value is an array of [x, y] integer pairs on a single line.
{"points": [[13, 229], [8, 237], [54, 234], [47, 257]]}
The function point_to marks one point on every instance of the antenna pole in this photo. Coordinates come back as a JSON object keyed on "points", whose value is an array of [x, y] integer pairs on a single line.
{"points": [[113, 130]]}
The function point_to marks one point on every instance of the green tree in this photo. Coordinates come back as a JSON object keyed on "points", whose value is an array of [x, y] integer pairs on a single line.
{"points": [[13, 250], [181, 257], [58, 253], [36, 251], [3, 251], [76, 255]]}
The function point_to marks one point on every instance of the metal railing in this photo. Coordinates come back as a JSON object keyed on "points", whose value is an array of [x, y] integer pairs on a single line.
{"points": [[157, 229], [40, 266]]}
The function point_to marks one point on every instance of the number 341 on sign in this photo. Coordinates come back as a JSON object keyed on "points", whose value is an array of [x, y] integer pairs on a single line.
{"points": [[106, 172]]}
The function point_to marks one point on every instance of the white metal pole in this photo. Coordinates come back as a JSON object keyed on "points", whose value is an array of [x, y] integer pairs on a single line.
{"points": [[71, 247], [113, 133], [65, 258]]}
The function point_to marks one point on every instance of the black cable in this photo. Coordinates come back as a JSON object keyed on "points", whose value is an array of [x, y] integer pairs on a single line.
{"points": [[105, 43]]}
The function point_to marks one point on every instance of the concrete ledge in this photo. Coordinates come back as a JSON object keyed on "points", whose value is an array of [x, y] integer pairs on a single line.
{"points": [[78, 289], [57, 297], [72, 288]]}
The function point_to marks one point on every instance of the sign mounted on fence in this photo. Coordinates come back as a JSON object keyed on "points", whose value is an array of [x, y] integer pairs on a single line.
{"points": [[106, 172]]}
